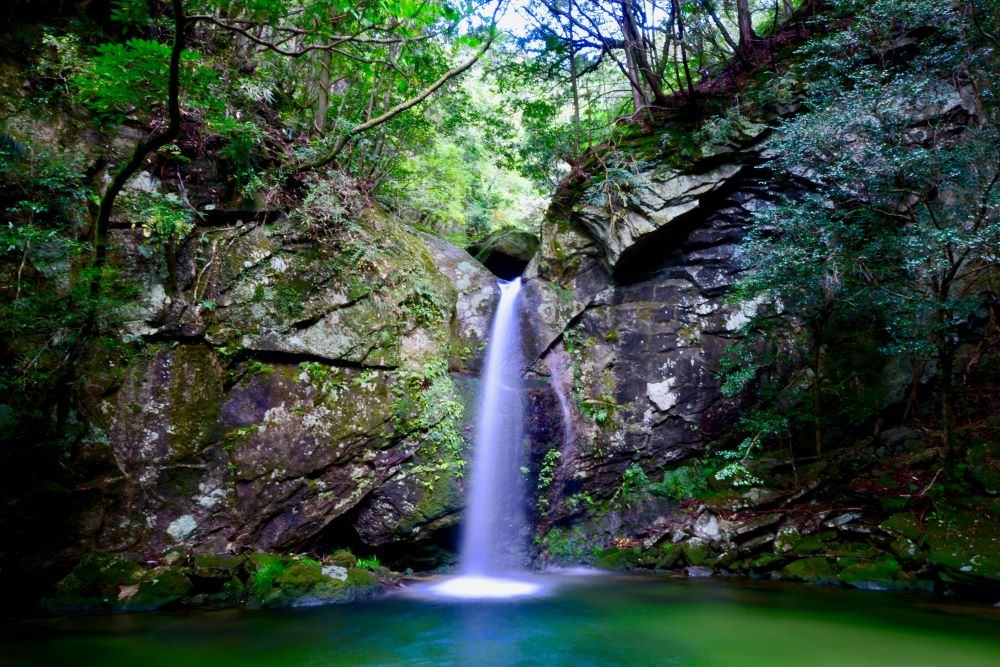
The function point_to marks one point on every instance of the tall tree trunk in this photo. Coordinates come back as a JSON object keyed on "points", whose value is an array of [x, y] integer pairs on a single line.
{"points": [[817, 391], [574, 82], [635, 80], [323, 93], [789, 8], [636, 45], [712, 14], [946, 358], [745, 22], [680, 40]]}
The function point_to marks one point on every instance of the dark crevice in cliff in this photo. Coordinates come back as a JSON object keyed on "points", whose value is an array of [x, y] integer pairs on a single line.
{"points": [[266, 356], [504, 266], [574, 321], [672, 244], [296, 358], [436, 550]]}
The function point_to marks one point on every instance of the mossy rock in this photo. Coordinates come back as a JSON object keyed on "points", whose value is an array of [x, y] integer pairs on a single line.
{"points": [[875, 575], [306, 585], [233, 591], [809, 545], [668, 557], [696, 552], [361, 585], [217, 566], [815, 570], [983, 459], [727, 558], [903, 524], [906, 550], [343, 558], [93, 584], [787, 539], [763, 563], [616, 559], [157, 588], [507, 251], [302, 585], [965, 546], [114, 582]]}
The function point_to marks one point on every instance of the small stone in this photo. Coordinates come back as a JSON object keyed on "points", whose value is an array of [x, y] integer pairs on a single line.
{"points": [[698, 572], [838, 521], [335, 572]]}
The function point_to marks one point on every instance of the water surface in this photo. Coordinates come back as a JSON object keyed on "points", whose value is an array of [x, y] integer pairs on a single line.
{"points": [[582, 621]]}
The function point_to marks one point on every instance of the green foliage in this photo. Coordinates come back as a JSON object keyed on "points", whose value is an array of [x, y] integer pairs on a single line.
{"points": [[269, 568], [564, 544], [325, 210], [462, 180], [369, 563], [634, 483], [58, 62], [546, 475], [734, 468], [681, 483], [424, 306], [130, 12], [888, 251], [619, 188], [130, 77], [427, 404], [600, 410], [242, 141], [162, 217]]}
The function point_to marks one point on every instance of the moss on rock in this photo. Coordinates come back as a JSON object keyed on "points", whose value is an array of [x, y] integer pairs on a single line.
{"points": [[815, 570]]}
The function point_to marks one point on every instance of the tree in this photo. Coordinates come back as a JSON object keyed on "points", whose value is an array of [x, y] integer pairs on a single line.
{"points": [[744, 18], [360, 35], [902, 160]]}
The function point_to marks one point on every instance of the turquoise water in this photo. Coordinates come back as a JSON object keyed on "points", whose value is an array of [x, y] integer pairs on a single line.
{"points": [[585, 621]]}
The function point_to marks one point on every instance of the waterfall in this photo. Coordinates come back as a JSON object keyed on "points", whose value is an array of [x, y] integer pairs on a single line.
{"points": [[494, 522]]}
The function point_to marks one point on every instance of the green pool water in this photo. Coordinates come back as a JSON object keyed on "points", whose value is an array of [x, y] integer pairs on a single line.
{"points": [[582, 621]]}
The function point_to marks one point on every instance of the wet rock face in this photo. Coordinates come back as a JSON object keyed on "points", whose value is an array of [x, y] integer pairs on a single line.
{"points": [[634, 309]]}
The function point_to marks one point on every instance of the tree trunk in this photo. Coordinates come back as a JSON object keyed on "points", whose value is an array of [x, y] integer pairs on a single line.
{"points": [[817, 393], [745, 22], [680, 40], [150, 144], [574, 82], [636, 45], [710, 10], [789, 8], [946, 356], [323, 93], [635, 80]]}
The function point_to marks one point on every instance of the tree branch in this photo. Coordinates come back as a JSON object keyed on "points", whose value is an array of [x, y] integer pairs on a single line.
{"points": [[408, 104]]}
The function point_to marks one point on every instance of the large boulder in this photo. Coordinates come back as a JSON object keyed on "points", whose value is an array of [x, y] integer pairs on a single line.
{"points": [[297, 371]]}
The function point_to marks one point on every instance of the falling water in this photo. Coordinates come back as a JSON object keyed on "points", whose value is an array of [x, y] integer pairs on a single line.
{"points": [[492, 544], [491, 521], [554, 362]]}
